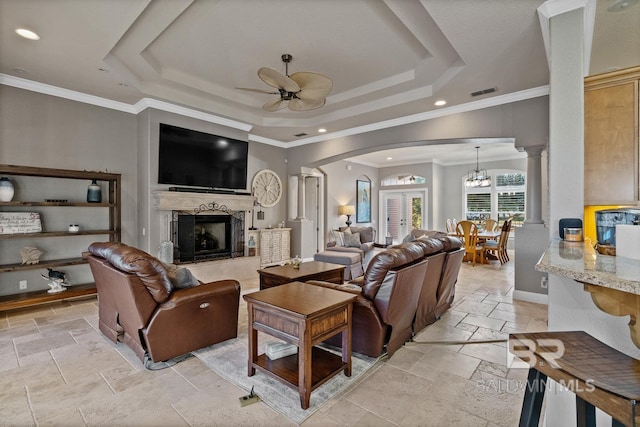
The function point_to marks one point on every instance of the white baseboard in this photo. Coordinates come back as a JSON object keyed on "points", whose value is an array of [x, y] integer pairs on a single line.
{"points": [[531, 297]]}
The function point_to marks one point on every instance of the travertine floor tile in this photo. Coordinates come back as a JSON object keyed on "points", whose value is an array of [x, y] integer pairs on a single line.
{"points": [[85, 379], [444, 360], [395, 399]]}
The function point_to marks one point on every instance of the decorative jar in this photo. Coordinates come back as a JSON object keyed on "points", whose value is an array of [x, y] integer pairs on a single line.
{"points": [[94, 193], [6, 189]]}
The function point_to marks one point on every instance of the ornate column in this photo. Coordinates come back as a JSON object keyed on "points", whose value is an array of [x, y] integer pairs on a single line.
{"points": [[534, 185], [301, 196]]}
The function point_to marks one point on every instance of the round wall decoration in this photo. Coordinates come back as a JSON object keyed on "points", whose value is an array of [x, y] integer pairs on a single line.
{"points": [[267, 188]]}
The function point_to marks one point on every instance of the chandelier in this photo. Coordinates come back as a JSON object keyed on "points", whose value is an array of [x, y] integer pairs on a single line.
{"points": [[477, 177]]}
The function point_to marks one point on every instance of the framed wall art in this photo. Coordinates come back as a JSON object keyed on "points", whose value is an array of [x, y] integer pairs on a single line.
{"points": [[363, 201]]}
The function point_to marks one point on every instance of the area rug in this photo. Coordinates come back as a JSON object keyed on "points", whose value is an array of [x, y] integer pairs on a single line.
{"points": [[229, 360]]}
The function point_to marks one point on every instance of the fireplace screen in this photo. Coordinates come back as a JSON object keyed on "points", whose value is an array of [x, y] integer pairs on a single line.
{"points": [[206, 237]]}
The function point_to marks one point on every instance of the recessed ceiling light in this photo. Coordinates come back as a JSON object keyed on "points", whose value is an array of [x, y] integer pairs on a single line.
{"points": [[620, 5], [389, 158], [322, 130], [440, 103], [27, 34]]}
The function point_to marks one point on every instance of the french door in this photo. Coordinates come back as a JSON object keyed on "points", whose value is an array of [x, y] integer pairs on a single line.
{"points": [[402, 211]]}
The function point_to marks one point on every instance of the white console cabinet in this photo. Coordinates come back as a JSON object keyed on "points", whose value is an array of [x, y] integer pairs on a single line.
{"points": [[273, 245]]}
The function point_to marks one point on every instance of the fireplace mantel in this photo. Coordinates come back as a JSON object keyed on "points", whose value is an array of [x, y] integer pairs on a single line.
{"points": [[183, 201]]}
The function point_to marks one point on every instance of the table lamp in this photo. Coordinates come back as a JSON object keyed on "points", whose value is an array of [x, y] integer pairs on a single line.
{"points": [[347, 210]]}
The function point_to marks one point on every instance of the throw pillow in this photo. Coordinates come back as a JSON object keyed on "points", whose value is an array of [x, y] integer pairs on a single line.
{"points": [[338, 237], [352, 240], [181, 277]]}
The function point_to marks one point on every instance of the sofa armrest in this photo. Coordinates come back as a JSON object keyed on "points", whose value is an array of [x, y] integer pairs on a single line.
{"points": [[193, 318], [206, 290], [366, 246]]}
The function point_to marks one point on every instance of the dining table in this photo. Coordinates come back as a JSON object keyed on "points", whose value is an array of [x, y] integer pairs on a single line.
{"points": [[483, 235]]}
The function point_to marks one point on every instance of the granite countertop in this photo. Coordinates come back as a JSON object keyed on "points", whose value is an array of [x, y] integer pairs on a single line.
{"points": [[581, 262]]}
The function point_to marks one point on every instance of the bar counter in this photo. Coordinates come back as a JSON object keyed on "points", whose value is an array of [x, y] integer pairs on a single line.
{"points": [[581, 262]]}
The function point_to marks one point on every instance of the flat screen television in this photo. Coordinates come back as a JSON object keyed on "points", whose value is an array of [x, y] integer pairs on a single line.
{"points": [[198, 159]]}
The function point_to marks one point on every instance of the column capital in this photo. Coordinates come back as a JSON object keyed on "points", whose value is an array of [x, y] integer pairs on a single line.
{"points": [[534, 151]]}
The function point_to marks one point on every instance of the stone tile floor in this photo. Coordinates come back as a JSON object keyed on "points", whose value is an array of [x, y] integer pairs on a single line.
{"points": [[57, 369]]}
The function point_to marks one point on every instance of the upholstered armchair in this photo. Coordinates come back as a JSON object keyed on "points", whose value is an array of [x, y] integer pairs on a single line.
{"points": [[158, 311], [355, 240]]}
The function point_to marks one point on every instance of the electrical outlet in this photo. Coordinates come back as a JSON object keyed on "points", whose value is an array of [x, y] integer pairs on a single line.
{"points": [[544, 283], [23, 284]]}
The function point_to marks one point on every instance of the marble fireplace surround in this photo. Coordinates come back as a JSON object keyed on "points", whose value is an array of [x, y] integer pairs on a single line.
{"points": [[188, 202], [236, 268]]}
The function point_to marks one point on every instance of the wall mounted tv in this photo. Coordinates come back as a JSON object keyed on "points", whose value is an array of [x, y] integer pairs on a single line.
{"points": [[192, 158]]}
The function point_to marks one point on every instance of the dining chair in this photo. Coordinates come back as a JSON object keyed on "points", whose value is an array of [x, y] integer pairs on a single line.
{"points": [[468, 232], [489, 224], [450, 227], [499, 248]]}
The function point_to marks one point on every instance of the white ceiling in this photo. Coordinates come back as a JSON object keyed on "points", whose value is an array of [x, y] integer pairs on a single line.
{"points": [[388, 58]]}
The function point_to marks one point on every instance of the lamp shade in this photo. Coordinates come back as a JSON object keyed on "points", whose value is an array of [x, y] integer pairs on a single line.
{"points": [[347, 210]]}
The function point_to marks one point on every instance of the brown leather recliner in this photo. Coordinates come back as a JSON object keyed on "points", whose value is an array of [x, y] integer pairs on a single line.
{"points": [[445, 258], [387, 300], [140, 306]]}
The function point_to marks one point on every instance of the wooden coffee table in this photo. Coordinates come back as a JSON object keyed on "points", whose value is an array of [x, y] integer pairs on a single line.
{"points": [[303, 315], [312, 270]]}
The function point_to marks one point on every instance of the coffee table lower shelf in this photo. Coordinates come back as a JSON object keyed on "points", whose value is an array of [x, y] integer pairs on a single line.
{"points": [[285, 369]]}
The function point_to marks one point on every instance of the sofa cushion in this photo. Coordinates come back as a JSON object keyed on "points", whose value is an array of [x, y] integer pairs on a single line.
{"points": [[367, 234], [417, 233], [450, 243], [378, 268], [180, 277], [337, 237], [429, 245], [352, 240], [135, 261]]}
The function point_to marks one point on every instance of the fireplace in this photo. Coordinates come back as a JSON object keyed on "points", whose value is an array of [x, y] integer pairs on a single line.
{"points": [[208, 237]]}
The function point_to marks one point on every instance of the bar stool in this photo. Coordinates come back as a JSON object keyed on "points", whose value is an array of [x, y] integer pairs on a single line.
{"points": [[600, 376]]}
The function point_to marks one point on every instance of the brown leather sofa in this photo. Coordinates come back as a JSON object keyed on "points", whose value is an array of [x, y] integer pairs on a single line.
{"points": [[399, 283], [140, 305]]}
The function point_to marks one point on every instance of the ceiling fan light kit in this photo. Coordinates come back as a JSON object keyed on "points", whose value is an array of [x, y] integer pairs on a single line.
{"points": [[301, 91]]}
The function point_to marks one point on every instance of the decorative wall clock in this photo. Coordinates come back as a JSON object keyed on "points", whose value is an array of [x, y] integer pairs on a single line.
{"points": [[267, 188]]}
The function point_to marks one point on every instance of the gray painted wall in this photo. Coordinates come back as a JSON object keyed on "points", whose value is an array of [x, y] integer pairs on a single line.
{"points": [[341, 190], [45, 131]]}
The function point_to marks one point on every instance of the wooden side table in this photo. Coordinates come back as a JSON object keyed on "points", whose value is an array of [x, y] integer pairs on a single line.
{"points": [[311, 270], [303, 315]]}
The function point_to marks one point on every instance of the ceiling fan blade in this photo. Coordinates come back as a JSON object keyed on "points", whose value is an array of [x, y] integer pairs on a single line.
{"points": [[304, 105], [275, 105], [313, 86], [270, 92], [277, 80]]}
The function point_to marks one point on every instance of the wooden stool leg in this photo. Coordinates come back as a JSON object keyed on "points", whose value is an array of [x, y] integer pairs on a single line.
{"points": [[585, 413], [533, 397]]}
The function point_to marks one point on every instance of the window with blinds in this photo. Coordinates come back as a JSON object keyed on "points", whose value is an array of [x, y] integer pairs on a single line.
{"points": [[504, 199]]}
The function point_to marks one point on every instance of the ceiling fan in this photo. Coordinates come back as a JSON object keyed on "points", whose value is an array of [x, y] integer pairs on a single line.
{"points": [[299, 91]]}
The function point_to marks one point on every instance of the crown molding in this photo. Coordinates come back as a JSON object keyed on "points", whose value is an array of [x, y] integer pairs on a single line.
{"points": [[145, 103], [212, 118], [59, 92], [455, 109], [120, 106]]}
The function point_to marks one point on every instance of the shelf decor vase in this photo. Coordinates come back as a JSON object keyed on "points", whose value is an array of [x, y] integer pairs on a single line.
{"points": [[94, 193], [6, 190]]}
